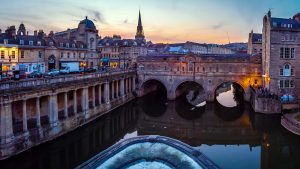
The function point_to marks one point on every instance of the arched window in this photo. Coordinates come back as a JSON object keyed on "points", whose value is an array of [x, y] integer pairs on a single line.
{"points": [[287, 70]]}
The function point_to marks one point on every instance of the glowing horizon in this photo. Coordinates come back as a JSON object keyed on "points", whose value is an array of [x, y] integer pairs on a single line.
{"points": [[165, 21]]}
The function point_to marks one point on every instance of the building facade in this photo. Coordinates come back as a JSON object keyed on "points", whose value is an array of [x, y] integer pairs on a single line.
{"points": [[280, 54], [38, 52], [254, 43], [86, 34], [116, 52]]}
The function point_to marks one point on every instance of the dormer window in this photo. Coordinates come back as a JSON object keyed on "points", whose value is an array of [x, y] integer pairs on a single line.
{"points": [[51, 43], [21, 42], [61, 45], [68, 45], [39, 43], [81, 46], [73, 45], [31, 43], [5, 41]]}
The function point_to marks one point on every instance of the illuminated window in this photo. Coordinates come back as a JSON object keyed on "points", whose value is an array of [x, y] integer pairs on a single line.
{"points": [[2, 54], [39, 43], [31, 43], [13, 54]]}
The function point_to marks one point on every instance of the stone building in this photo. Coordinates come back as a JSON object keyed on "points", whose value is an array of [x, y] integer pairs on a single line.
{"points": [[116, 52], [254, 43], [20, 51], [38, 52], [280, 42], [87, 34]]}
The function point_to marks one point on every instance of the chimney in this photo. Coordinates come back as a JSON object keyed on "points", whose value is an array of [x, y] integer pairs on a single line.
{"points": [[35, 33], [0, 30], [41, 33]]}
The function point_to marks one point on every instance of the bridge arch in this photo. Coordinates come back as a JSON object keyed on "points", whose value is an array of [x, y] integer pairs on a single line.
{"points": [[238, 89], [150, 85]]}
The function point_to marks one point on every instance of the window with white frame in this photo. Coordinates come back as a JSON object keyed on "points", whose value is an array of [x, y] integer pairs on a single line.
{"points": [[287, 53], [21, 42], [31, 43]]}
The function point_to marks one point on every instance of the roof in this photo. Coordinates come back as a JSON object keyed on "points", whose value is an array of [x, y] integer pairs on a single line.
{"points": [[88, 24], [283, 23], [109, 41], [257, 37]]}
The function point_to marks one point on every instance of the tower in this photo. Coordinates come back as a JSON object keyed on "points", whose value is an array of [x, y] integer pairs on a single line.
{"points": [[140, 32]]}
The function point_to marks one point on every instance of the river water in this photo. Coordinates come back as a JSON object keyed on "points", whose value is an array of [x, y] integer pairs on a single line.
{"points": [[227, 131]]}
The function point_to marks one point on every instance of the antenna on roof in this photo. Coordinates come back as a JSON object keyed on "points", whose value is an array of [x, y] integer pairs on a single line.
{"points": [[228, 37]]}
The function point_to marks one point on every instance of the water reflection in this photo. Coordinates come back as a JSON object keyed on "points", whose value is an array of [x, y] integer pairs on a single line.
{"points": [[233, 138], [230, 94]]}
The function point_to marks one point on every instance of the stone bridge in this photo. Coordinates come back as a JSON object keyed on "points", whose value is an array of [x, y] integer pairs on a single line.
{"points": [[174, 72]]}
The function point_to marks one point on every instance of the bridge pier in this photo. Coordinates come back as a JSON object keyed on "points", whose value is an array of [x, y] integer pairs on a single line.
{"points": [[171, 95]]}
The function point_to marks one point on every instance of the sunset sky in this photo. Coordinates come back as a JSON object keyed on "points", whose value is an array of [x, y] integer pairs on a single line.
{"points": [[206, 21]]}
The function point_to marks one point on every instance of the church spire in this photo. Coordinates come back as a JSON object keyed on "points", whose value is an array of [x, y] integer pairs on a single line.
{"points": [[140, 31]]}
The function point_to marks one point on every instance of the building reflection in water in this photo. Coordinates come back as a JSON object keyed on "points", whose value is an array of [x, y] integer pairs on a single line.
{"points": [[243, 138]]}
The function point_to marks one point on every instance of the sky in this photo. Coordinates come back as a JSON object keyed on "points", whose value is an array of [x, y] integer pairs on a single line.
{"points": [[167, 21]]}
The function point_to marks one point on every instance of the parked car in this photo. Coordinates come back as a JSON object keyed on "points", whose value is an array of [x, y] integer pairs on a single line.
{"points": [[35, 74], [53, 72]]}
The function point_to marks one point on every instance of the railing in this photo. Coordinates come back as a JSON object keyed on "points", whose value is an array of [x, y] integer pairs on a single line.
{"points": [[58, 79]]}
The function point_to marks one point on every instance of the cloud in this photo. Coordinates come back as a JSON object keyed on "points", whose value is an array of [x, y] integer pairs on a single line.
{"points": [[217, 26], [98, 16]]}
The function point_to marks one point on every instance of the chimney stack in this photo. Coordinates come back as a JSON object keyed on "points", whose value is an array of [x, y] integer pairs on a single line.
{"points": [[35, 33]]}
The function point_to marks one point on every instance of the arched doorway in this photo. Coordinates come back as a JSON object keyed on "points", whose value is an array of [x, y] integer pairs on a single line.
{"points": [[51, 63], [229, 94], [192, 92]]}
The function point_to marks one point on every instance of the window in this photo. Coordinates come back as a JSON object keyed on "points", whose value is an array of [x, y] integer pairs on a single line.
{"points": [[287, 53], [5, 41], [281, 72], [287, 70], [21, 42], [31, 43], [13, 54], [39, 43], [74, 54], [281, 53], [281, 84], [292, 84], [61, 55], [178, 68], [40, 54], [51, 43], [286, 83], [22, 54], [73, 45], [68, 45], [292, 53], [68, 55], [61, 45]]}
